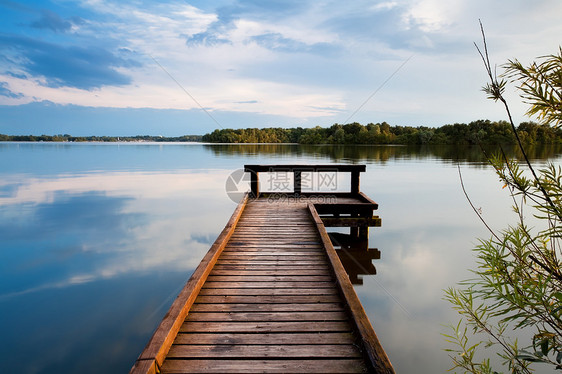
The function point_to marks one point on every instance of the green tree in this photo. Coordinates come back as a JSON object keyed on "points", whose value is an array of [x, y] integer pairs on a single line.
{"points": [[518, 281]]}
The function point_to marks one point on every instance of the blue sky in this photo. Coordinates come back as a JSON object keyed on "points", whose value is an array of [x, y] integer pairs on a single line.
{"points": [[104, 67]]}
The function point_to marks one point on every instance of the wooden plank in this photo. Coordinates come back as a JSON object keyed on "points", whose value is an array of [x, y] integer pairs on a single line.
{"points": [[162, 339], [269, 278], [355, 181], [314, 168], [376, 354], [268, 285], [283, 221], [269, 211], [352, 222], [248, 245], [307, 227], [286, 240], [254, 184], [145, 366], [276, 224], [267, 292], [274, 252], [270, 294], [266, 338], [266, 316], [324, 271], [268, 260], [356, 208], [273, 230], [257, 248], [265, 366], [289, 307], [277, 257], [275, 242], [264, 351], [273, 267], [241, 254], [269, 299], [256, 327], [312, 259], [272, 262], [278, 236]]}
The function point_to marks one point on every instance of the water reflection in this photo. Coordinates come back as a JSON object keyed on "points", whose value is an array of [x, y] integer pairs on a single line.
{"points": [[90, 262], [96, 241], [381, 153], [355, 256], [66, 230], [358, 262]]}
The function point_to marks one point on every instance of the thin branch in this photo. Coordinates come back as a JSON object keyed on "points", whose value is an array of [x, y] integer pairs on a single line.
{"points": [[496, 88], [474, 208]]}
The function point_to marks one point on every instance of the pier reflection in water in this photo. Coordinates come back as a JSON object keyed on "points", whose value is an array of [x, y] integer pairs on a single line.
{"points": [[355, 256]]}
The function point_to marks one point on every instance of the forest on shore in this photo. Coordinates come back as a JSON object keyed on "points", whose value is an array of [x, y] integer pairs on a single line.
{"points": [[476, 132], [70, 138]]}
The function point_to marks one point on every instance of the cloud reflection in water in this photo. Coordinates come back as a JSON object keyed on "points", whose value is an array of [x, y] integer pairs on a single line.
{"points": [[67, 230]]}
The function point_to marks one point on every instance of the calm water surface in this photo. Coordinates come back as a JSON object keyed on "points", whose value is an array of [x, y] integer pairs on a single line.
{"points": [[98, 239]]}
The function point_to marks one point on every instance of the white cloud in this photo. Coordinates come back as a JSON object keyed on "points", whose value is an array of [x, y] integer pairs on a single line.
{"points": [[284, 74], [433, 15], [387, 5]]}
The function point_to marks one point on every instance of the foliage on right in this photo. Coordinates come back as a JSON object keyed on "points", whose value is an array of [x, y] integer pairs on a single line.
{"points": [[517, 285]]}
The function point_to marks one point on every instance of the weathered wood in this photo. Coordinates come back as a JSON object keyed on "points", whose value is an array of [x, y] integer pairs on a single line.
{"points": [[269, 285], [319, 338], [240, 245], [362, 209], [266, 366], [267, 307], [312, 168], [266, 316], [355, 181], [264, 351], [269, 278], [256, 327], [163, 337], [310, 248], [272, 296], [145, 366], [307, 299], [374, 351], [274, 272], [254, 185], [273, 267], [267, 292], [283, 258], [297, 171], [352, 221], [272, 262]]}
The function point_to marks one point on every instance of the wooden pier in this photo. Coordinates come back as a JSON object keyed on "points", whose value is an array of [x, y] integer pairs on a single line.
{"points": [[271, 295]]}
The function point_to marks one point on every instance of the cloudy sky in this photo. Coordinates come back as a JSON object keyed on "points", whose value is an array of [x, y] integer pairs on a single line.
{"points": [[128, 67]]}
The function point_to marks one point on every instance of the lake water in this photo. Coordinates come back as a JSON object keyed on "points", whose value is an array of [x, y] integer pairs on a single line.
{"points": [[98, 239]]}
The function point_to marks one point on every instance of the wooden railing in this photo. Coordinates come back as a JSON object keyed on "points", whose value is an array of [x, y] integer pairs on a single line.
{"points": [[297, 171]]}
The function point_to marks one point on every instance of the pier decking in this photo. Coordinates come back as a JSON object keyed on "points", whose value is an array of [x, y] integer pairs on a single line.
{"points": [[272, 296]]}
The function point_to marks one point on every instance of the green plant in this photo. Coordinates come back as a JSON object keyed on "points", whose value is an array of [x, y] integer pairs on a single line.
{"points": [[517, 285]]}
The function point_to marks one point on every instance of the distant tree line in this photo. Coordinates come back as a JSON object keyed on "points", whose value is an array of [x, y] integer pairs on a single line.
{"points": [[69, 138], [476, 132]]}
